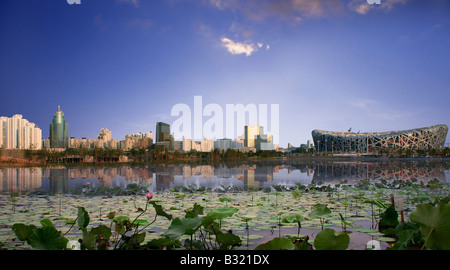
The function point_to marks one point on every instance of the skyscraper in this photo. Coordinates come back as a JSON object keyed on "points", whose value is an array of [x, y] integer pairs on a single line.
{"points": [[162, 132], [255, 137], [59, 131], [251, 133], [163, 136]]}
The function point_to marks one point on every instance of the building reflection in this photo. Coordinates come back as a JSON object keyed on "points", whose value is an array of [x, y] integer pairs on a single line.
{"points": [[242, 176], [355, 171], [58, 180], [20, 179]]}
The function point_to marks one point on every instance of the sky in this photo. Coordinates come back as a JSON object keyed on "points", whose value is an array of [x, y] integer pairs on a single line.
{"points": [[328, 64]]}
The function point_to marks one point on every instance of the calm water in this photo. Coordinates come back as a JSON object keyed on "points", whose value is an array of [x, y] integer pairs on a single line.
{"points": [[239, 175]]}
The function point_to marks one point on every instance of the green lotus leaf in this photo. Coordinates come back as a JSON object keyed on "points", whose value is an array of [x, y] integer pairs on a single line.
{"points": [[277, 244], [320, 210], [228, 239], [434, 224], [183, 226], [83, 218], [159, 210], [222, 212], [47, 238], [140, 222], [292, 218], [22, 231], [329, 239]]}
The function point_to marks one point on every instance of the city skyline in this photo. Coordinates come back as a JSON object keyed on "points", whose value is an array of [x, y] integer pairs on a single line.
{"points": [[330, 65]]}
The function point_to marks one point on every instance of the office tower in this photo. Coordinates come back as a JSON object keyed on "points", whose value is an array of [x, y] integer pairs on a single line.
{"points": [[59, 131], [163, 136], [162, 132], [264, 142], [250, 135], [18, 133]]}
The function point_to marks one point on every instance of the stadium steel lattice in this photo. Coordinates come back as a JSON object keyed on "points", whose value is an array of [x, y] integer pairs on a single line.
{"points": [[417, 139]]}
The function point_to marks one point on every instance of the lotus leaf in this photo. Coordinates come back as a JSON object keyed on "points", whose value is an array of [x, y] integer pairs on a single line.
{"points": [[434, 224], [228, 239], [277, 244], [182, 226], [159, 210], [47, 238], [22, 231], [319, 210], [222, 212], [83, 218], [328, 239]]}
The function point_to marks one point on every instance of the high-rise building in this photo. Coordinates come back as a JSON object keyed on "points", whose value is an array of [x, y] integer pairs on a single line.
{"points": [[163, 136], [141, 140], [255, 138], [18, 133], [224, 144], [3, 123], [207, 145], [250, 135], [162, 132], [59, 131], [105, 135]]}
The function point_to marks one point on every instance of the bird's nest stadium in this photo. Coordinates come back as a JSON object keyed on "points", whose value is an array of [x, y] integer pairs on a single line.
{"points": [[432, 137]]}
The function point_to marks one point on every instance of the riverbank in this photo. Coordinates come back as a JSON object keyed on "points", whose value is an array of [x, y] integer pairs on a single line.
{"points": [[11, 161], [23, 158]]}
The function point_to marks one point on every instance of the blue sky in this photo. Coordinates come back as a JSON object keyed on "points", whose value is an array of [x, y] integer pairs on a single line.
{"points": [[329, 64]]}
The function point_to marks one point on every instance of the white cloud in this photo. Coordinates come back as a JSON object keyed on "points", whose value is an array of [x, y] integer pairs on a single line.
{"points": [[363, 7], [238, 47]]}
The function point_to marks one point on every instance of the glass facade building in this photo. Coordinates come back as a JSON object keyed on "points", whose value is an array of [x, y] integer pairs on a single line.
{"points": [[163, 137], [255, 137], [59, 131], [251, 133], [162, 132]]}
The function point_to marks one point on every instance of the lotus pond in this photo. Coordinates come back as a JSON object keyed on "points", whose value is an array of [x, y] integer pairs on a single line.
{"points": [[397, 214]]}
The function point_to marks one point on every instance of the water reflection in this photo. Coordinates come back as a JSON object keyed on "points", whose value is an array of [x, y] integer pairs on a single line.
{"points": [[394, 170], [241, 176]]}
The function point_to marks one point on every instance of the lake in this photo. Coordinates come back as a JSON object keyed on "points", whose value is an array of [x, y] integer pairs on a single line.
{"points": [[264, 209], [238, 175]]}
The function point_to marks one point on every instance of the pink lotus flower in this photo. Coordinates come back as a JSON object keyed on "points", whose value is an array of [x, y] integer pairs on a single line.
{"points": [[149, 196]]}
